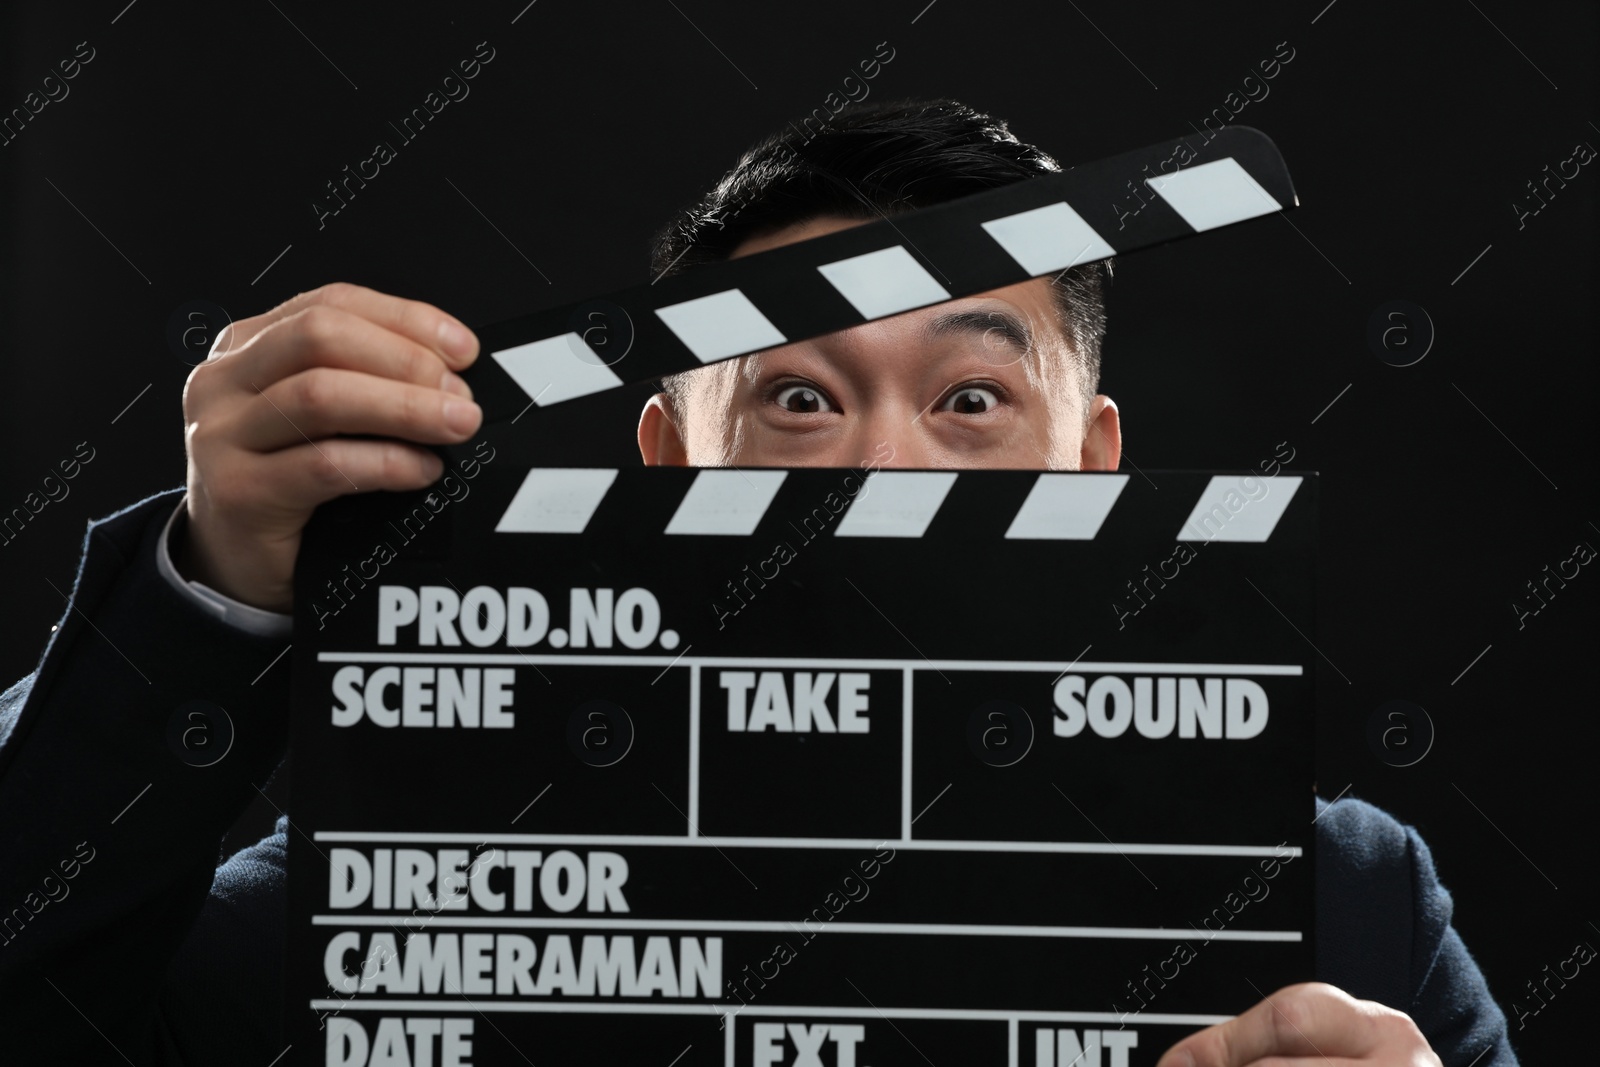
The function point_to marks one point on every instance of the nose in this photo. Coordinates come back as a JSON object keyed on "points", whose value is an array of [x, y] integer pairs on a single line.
{"points": [[891, 435]]}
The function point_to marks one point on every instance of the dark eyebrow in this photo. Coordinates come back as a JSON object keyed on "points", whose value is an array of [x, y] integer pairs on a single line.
{"points": [[1012, 328]]}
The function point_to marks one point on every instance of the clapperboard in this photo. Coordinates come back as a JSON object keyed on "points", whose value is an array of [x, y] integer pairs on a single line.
{"points": [[843, 767]]}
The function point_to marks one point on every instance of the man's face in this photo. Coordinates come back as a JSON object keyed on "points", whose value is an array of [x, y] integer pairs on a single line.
{"points": [[983, 381]]}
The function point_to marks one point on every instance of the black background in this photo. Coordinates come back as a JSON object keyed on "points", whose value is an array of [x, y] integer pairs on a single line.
{"points": [[196, 139]]}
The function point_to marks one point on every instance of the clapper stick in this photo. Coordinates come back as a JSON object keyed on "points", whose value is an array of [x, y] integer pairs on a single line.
{"points": [[1165, 192]]}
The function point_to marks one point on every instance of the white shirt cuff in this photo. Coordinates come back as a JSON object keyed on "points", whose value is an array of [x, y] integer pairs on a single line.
{"points": [[227, 610]]}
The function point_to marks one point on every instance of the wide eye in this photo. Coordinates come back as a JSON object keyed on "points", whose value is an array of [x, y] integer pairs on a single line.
{"points": [[803, 400], [970, 400]]}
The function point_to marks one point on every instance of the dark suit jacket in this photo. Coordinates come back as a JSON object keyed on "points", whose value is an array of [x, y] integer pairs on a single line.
{"points": [[124, 941]]}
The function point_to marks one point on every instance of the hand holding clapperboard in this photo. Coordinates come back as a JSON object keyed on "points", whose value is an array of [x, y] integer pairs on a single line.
{"points": [[807, 766]]}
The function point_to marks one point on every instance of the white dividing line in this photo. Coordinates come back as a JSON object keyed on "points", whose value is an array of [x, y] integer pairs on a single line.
{"points": [[694, 751], [513, 659], [1502, 433], [498, 230], [121, 13], [1297, 630], [98, 230], [531, 803], [1502, 833], [1073, 664], [1474, 262], [1113, 44], [669, 266], [273, 664], [774, 1011], [713, 44], [524, 11], [905, 756], [843, 843], [132, 402], [101, 632], [131, 803], [1520, 52], [930, 804], [1332, 402], [670, 665], [530, 403], [88, 1020], [313, 44], [1319, 251], [1102, 833], [1468, 667], [890, 1021], [274, 263], [762, 926], [1331, 803], [1011, 1042]]}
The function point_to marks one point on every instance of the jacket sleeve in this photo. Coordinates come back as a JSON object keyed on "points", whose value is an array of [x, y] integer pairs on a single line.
{"points": [[242, 616], [1384, 934], [125, 757], [220, 1002]]}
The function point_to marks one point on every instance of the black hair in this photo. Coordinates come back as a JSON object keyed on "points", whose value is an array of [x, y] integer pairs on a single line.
{"points": [[883, 158]]}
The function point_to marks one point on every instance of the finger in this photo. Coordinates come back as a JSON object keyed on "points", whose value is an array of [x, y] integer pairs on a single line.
{"points": [[322, 336], [1311, 1019], [234, 336], [422, 323], [325, 400], [316, 472]]}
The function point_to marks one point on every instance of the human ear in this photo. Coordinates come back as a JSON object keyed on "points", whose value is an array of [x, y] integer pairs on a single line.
{"points": [[1102, 436], [660, 442]]}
